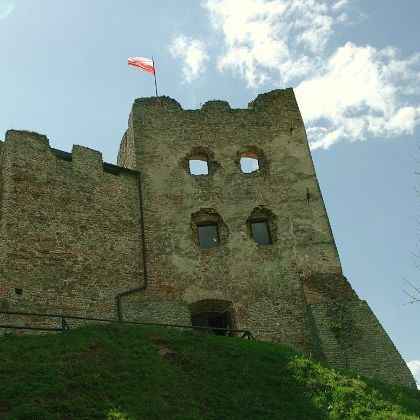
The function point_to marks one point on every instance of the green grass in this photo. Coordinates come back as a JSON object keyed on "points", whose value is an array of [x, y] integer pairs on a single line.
{"points": [[130, 372]]}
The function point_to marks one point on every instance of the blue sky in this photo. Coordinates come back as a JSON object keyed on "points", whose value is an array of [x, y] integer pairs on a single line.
{"points": [[354, 65]]}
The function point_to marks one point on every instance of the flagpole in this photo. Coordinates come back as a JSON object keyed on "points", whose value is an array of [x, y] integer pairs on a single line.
{"points": [[154, 74]]}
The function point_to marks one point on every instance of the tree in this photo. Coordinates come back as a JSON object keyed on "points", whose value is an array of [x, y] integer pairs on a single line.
{"points": [[411, 290]]}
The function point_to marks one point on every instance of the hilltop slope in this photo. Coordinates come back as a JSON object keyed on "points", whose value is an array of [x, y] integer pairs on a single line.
{"points": [[130, 372]]}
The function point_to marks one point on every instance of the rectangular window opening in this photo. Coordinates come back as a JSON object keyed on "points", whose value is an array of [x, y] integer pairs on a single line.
{"points": [[208, 235], [198, 167], [249, 165], [261, 232]]}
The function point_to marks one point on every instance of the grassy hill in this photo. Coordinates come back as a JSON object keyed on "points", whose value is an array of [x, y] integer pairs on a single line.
{"points": [[130, 372]]}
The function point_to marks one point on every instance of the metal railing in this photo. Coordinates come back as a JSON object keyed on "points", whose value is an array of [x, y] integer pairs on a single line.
{"points": [[64, 325]]}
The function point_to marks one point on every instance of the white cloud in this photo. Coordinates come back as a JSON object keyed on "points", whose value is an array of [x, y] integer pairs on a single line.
{"points": [[414, 366], [352, 93], [193, 53], [339, 4], [281, 35], [359, 92]]}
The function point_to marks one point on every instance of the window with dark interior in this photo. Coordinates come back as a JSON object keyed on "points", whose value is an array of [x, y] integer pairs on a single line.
{"points": [[260, 232], [208, 235]]}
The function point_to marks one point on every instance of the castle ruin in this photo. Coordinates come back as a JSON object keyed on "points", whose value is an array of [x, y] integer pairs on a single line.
{"points": [[147, 240]]}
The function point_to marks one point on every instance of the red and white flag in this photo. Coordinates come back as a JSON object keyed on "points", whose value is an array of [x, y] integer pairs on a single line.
{"points": [[145, 64]]}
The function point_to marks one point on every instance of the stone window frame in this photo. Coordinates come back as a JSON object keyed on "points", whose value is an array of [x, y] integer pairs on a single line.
{"points": [[255, 153], [206, 217], [203, 154], [263, 214]]}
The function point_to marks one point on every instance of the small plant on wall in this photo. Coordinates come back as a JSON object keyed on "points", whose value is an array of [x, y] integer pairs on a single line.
{"points": [[336, 326]]}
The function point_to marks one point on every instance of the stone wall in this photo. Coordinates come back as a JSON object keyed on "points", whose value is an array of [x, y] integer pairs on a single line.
{"points": [[352, 339], [76, 232], [262, 283], [277, 291], [69, 229]]}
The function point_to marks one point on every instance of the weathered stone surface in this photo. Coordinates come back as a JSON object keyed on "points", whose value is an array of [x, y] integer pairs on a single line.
{"points": [[83, 237], [69, 230], [353, 339]]}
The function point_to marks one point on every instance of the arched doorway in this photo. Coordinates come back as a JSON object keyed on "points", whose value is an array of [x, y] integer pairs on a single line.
{"points": [[214, 314]]}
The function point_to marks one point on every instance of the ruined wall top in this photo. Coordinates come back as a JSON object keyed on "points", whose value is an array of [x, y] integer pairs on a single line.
{"points": [[162, 120], [81, 158], [279, 98]]}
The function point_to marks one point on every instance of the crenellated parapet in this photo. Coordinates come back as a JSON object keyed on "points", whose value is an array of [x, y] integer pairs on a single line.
{"points": [[34, 149], [281, 103], [279, 98]]}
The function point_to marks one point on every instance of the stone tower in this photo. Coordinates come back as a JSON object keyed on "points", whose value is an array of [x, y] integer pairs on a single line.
{"points": [[150, 241]]}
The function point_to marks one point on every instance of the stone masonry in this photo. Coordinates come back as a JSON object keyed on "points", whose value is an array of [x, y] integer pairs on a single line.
{"points": [[82, 237]]}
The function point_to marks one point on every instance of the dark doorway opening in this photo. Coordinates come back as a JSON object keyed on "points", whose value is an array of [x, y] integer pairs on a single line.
{"points": [[213, 320]]}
